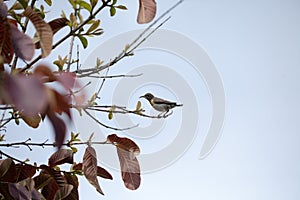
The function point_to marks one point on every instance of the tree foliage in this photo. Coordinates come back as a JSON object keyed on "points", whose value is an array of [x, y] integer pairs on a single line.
{"points": [[23, 180]]}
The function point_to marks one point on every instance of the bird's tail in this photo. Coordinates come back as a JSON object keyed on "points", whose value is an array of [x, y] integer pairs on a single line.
{"points": [[179, 104]]}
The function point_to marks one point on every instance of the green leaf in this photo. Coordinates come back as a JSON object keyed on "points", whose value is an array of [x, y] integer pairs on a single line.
{"points": [[112, 11], [121, 7], [24, 3], [93, 26], [49, 2], [83, 41], [93, 3], [114, 2], [85, 5]]}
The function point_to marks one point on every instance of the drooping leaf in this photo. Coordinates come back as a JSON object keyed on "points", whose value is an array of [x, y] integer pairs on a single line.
{"points": [[112, 11], [60, 157], [122, 7], [59, 128], [32, 120], [125, 144], [147, 11], [130, 169], [49, 2], [89, 167], [93, 26], [6, 48], [55, 175], [83, 41], [43, 29], [49, 191], [23, 45], [42, 180], [8, 171]]}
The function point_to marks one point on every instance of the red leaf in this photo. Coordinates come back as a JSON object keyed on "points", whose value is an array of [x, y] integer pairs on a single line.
{"points": [[58, 24], [32, 121], [89, 167], [19, 191], [4, 166], [60, 157], [8, 171], [147, 11], [125, 144], [27, 93], [103, 173], [22, 44], [67, 79], [6, 48], [43, 29], [25, 171], [73, 180], [130, 169], [59, 128]]}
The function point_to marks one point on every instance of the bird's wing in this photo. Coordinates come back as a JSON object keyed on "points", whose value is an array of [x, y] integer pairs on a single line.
{"points": [[157, 100]]}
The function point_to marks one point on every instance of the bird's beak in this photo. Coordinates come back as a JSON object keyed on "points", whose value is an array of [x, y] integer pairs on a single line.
{"points": [[142, 96]]}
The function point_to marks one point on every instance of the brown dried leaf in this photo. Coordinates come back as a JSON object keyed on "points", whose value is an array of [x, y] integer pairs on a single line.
{"points": [[10, 174], [89, 167], [4, 166], [23, 45], [125, 144], [43, 29], [60, 157], [147, 11], [130, 169]]}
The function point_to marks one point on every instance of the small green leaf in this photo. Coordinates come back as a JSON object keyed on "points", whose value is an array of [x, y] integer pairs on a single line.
{"points": [[24, 3], [16, 6], [74, 149], [85, 5], [114, 2], [122, 7], [110, 115], [93, 26], [83, 41], [49, 2], [17, 121], [2, 137], [127, 46], [138, 106], [112, 11], [93, 3]]}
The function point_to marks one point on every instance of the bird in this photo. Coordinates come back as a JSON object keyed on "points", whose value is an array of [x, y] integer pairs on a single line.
{"points": [[162, 105]]}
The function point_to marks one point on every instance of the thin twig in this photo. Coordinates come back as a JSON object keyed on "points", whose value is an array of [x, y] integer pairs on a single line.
{"points": [[117, 76], [106, 126], [70, 53]]}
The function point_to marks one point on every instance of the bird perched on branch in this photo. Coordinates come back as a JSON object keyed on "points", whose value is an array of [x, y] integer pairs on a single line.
{"points": [[162, 105]]}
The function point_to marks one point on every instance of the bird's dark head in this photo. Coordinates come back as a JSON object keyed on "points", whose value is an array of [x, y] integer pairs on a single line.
{"points": [[147, 96]]}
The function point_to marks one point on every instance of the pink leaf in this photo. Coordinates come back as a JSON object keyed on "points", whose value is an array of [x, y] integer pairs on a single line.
{"points": [[147, 11], [60, 157]]}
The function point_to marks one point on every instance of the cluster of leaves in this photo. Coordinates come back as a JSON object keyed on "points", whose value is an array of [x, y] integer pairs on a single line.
{"points": [[25, 181], [32, 93]]}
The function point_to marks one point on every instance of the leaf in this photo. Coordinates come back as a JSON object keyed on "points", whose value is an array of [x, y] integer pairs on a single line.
{"points": [[93, 3], [83, 41], [43, 29], [6, 48], [60, 157], [25, 171], [4, 166], [33, 120], [63, 191], [122, 7], [42, 180], [73, 180], [27, 93], [147, 11], [112, 11], [101, 172], [89, 167], [59, 128], [49, 2], [85, 5], [138, 106], [125, 144], [18, 191], [23, 45], [93, 26], [130, 169], [58, 24], [24, 3]]}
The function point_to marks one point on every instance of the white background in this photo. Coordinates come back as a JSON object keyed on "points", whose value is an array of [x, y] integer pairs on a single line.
{"points": [[255, 45]]}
